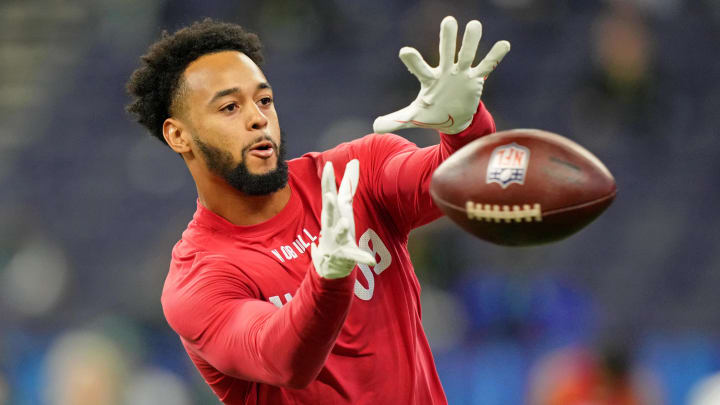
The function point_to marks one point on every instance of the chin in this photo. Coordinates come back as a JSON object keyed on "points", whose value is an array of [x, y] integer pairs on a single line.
{"points": [[263, 169]]}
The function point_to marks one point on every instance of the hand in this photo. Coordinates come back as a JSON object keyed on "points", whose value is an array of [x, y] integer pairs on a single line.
{"points": [[449, 93], [337, 253]]}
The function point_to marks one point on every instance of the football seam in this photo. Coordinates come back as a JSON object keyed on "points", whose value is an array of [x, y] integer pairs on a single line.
{"points": [[544, 213], [582, 205]]}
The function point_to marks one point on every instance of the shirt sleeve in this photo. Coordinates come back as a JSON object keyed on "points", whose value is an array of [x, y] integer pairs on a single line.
{"points": [[402, 180], [244, 337]]}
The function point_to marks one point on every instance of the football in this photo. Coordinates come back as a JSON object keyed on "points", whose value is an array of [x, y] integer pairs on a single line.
{"points": [[522, 187]]}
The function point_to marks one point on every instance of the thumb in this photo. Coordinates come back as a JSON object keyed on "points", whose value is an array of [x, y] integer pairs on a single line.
{"points": [[357, 255], [398, 120]]}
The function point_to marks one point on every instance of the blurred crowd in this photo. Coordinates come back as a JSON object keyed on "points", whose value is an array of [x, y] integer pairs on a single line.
{"points": [[625, 312]]}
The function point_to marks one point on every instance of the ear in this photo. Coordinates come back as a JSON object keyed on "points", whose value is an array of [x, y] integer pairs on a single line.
{"points": [[176, 135]]}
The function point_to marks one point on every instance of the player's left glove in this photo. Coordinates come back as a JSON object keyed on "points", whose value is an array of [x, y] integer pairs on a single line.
{"points": [[337, 253], [449, 93]]}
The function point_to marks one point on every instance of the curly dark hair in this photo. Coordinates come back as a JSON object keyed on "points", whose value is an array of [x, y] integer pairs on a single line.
{"points": [[155, 85]]}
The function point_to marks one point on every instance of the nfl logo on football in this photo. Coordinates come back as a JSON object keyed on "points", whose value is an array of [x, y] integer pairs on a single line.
{"points": [[507, 165]]}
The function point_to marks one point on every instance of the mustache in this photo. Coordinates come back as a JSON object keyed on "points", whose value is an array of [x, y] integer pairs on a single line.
{"points": [[260, 139]]}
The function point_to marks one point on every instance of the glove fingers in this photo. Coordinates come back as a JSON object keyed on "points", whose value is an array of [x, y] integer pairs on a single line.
{"points": [[349, 182], [348, 248], [329, 197], [341, 230], [448, 36], [347, 189], [329, 214], [491, 60], [471, 39], [398, 120], [328, 179], [357, 255], [415, 63]]}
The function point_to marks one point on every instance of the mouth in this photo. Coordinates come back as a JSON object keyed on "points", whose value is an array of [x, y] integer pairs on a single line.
{"points": [[263, 149]]}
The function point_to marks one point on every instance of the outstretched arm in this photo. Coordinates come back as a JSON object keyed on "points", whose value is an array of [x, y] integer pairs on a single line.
{"points": [[402, 182], [449, 101], [252, 339]]}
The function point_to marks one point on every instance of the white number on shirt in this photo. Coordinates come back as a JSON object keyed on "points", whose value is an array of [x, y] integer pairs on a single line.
{"points": [[378, 249]]}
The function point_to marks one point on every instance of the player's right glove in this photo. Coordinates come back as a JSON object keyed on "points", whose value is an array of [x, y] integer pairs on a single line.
{"points": [[337, 253]]}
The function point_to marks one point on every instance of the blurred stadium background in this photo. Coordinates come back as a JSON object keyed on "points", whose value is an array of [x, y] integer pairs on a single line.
{"points": [[90, 205]]}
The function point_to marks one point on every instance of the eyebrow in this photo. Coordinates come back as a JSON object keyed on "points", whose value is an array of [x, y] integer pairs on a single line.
{"points": [[226, 92]]}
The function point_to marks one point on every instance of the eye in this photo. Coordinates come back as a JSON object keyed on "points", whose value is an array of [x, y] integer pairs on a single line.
{"points": [[265, 101], [230, 107]]}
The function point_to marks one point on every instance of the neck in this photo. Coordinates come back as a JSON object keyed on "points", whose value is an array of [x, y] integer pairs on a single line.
{"points": [[236, 207]]}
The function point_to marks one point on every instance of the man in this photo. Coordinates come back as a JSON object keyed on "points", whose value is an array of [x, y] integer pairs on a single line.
{"points": [[274, 296]]}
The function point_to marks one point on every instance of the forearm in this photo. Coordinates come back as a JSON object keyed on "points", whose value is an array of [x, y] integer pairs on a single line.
{"points": [[414, 167], [286, 346], [404, 181]]}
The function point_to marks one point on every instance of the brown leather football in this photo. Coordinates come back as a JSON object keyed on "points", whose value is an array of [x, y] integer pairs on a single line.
{"points": [[522, 187]]}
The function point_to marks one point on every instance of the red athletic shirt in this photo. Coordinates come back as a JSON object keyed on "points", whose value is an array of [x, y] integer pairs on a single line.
{"points": [[263, 328]]}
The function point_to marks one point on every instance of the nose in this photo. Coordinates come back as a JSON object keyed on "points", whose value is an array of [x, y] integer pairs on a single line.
{"points": [[256, 118]]}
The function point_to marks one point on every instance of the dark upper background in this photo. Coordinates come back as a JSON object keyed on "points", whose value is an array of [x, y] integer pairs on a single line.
{"points": [[91, 205]]}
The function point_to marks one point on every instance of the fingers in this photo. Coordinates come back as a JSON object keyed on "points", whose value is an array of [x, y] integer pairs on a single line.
{"points": [[337, 211], [357, 255], [348, 185], [348, 248], [491, 60], [448, 36], [341, 231], [328, 216], [415, 63], [329, 197], [328, 179], [471, 39], [349, 182], [337, 252]]}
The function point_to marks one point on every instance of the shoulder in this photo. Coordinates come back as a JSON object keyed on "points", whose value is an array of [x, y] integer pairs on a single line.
{"points": [[373, 148], [374, 144]]}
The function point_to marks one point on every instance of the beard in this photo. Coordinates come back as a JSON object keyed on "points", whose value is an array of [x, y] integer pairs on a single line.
{"points": [[239, 176]]}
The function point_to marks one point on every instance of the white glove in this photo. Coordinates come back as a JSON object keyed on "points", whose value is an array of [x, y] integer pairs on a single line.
{"points": [[337, 253], [449, 93]]}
